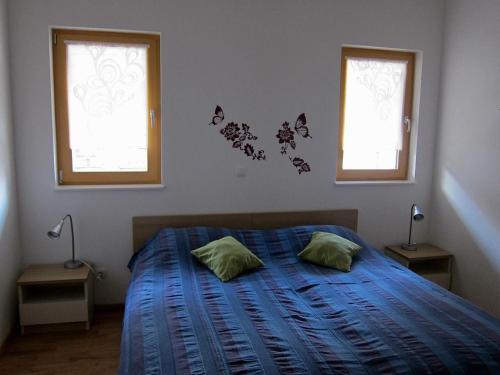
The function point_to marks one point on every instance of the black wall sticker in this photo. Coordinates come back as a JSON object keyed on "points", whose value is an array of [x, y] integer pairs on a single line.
{"points": [[286, 137], [219, 116], [300, 164], [240, 137]]}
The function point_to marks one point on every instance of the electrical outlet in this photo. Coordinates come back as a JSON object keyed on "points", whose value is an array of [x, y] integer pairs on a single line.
{"points": [[241, 172], [100, 274]]}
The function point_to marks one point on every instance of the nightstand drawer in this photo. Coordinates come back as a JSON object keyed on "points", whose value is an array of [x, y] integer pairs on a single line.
{"points": [[404, 262], [53, 312], [442, 279], [428, 261]]}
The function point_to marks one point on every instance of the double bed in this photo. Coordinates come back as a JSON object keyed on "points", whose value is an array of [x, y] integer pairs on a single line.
{"points": [[290, 317]]}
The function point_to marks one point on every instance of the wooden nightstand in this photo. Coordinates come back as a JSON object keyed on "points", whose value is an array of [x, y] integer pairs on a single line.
{"points": [[428, 261], [50, 293]]}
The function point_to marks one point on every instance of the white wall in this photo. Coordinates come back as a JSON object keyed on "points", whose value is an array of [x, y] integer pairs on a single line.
{"points": [[466, 207], [10, 251], [264, 62]]}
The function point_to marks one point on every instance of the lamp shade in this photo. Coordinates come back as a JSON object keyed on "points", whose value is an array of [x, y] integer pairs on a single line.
{"points": [[55, 232], [417, 213]]}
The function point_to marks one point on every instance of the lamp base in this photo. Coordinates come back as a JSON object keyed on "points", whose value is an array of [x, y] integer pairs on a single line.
{"points": [[72, 264], [409, 246]]}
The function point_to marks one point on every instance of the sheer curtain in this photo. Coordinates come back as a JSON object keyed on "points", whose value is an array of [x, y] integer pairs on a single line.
{"points": [[373, 126], [108, 106]]}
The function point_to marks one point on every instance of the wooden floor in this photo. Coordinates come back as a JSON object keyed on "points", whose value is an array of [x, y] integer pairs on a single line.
{"points": [[96, 351]]}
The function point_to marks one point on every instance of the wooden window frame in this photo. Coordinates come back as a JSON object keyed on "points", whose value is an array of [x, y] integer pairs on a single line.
{"points": [[403, 159], [65, 174]]}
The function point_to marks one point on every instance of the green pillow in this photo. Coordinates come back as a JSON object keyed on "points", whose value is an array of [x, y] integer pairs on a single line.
{"points": [[227, 258], [330, 250]]}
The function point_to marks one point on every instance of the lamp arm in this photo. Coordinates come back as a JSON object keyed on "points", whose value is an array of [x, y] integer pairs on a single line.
{"points": [[72, 236], [411, 223]]}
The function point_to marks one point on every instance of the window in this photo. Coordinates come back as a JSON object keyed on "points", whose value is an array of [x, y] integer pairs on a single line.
{"points": [[375, 114], [107, 107]]}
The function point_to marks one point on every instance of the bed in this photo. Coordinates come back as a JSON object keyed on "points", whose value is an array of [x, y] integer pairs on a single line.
{"points": [[290, 317]]}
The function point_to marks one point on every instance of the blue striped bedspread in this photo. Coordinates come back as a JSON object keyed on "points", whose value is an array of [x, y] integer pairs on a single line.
{"points": [[291, 317]]}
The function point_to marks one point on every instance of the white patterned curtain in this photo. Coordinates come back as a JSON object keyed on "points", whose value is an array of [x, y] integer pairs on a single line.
{"points": [[108, 106], [373, 123]]}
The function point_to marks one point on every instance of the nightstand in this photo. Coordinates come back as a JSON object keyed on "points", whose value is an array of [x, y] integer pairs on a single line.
{"points": [[50, 293], [428, 261]]}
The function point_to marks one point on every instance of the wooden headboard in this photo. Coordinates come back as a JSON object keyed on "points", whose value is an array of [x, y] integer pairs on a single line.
{"points": [[145, 227]]}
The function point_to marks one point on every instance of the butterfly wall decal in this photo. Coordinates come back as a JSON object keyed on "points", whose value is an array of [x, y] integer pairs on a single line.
{"points": [[219, 116], [301, 126]]}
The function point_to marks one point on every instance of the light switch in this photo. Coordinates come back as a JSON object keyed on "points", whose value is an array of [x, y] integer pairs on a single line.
{"points": [[241, 172]]}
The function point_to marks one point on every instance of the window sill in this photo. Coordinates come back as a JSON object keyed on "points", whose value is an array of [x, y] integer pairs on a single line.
{"points": [[108, 187], [387, 182]]}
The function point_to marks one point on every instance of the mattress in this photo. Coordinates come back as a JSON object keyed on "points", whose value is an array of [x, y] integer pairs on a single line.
{"points": [[293, 317]]}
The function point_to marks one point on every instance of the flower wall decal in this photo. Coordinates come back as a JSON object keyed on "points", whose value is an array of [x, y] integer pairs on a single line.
{"points": [[300, 164], [286, 138], [242, 138], [231, 131], [239, 136]]}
